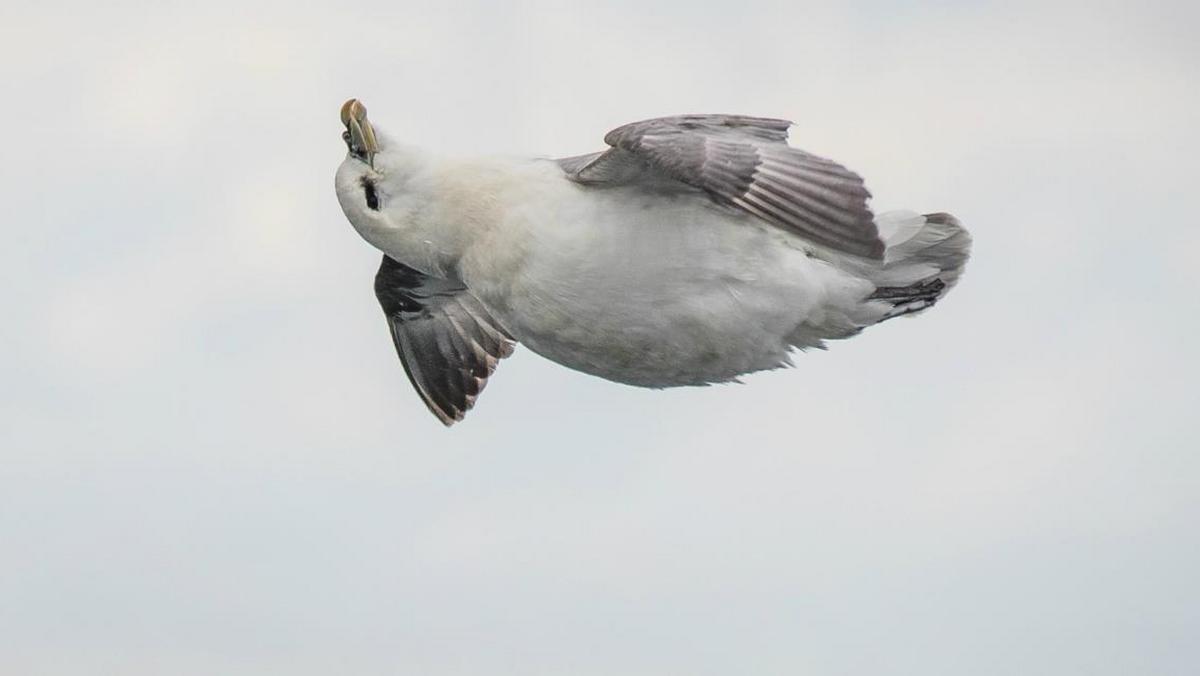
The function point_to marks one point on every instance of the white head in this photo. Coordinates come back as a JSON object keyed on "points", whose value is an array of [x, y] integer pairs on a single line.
{"points": [[379, 186]]}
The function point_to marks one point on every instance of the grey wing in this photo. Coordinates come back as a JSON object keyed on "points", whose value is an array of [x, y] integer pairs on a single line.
{"points": [[743, 162], [447, 339]]}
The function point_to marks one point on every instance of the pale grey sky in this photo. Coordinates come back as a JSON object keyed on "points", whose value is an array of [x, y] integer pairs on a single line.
{"points": [[211, 462]]}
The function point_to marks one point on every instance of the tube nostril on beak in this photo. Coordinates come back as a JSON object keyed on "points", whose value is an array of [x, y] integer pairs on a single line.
{"points": [[352, 109], [359, 135]]}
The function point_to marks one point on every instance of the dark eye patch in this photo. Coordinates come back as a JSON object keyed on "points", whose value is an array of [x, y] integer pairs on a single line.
{"points": [[369, 193]]}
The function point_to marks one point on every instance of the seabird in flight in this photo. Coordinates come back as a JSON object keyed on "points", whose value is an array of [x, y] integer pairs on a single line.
{"points": [[693, 250]]}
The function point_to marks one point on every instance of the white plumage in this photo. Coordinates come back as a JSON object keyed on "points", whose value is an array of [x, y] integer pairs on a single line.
{"points": [[650, 268]]}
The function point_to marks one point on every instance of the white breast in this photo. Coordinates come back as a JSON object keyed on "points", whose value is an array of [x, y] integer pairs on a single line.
{"points": [[648, 289]]}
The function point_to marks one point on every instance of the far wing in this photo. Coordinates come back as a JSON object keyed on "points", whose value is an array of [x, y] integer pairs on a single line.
{"points": [[744, 162], [447, 340]]}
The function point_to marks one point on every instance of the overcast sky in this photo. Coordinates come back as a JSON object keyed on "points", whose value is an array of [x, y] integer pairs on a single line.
{"points": [[211, 461]]}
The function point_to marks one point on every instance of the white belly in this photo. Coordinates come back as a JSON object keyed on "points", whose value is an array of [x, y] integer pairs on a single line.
{"points": [[658, 292]]}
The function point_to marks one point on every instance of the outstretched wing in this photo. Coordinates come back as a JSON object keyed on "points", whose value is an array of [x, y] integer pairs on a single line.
{"points": [[744, 162], [447, 340]]}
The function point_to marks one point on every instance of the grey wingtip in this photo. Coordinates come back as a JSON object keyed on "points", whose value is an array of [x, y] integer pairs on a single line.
{"points": [[448, 418]]}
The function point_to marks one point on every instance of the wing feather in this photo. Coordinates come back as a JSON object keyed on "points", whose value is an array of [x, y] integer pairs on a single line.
{"points": [[447, 340], [744, 162]]}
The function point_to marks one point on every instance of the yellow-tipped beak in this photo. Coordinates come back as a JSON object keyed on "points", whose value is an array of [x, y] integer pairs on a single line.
{"points": [[359, 136]]}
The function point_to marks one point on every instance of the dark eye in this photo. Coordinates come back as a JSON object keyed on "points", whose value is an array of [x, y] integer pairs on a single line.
{"points": [[370, 195]]}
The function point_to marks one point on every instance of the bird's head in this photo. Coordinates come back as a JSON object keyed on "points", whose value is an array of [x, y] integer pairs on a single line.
{"points": [[358, 179], [375, 189]]}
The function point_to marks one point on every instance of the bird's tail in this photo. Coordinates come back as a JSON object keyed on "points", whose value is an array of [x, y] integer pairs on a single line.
{"points": [[924, 258]]}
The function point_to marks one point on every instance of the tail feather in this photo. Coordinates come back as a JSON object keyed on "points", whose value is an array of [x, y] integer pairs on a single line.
{"points": [[924, 259]]}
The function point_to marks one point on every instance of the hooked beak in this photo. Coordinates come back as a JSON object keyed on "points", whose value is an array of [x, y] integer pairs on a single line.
{"points": [[359, 136]]}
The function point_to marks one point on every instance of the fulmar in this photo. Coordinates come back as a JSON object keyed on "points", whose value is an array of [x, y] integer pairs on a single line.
{"points": [[693, 250]]}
